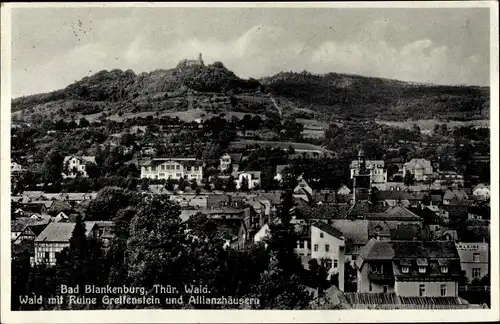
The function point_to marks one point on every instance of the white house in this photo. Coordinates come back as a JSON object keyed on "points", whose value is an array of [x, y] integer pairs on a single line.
{"points": [[482, 191], [76, 166], [16, 168], [328, 243], [172, 168], [230, 161], [420, 168], [261, 233], [279, 172], [252, 178], [343, 190]]}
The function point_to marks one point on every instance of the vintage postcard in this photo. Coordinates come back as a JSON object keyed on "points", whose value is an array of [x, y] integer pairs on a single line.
{"points": [[249, 162]]}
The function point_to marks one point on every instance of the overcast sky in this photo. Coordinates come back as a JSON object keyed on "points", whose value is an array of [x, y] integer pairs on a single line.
{"points": [[52, 48]]}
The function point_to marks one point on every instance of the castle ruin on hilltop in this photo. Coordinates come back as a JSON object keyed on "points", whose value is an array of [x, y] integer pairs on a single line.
{"points": [[190, 63]]}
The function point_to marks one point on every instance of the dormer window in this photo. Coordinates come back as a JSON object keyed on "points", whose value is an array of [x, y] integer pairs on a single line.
{"points": [[405, 269], [444, 269], [421, 269]]}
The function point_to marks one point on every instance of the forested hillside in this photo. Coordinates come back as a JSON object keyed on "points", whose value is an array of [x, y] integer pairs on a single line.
{"points": [[364, 97], [327, 97]]}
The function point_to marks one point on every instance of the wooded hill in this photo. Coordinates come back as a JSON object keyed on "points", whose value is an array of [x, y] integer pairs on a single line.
{"points": [[328, 96]]}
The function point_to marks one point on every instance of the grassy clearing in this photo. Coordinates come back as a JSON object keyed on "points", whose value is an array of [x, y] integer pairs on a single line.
{"points": [[428, 124], [274, 144]]}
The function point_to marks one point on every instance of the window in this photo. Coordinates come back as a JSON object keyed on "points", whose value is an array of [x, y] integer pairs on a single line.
{"points": [[443, 290], [153, 169], [421, 290], [370, 287], [163, 166], [301, 244], [178, 175], [177, 167], [56, 254], [162, 174], [475, 257], [335, 263], [316, 247], [47, 255], [321, 235], [385, 288], [328, 264], [421, 269], [405, 270], [327, 247], [476, 272], [377, 268], [444, 269]]}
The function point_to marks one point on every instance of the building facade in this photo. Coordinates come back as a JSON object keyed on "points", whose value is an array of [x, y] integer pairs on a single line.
{"points": [[482, 190], [252, 179], [420, 168], [172, 168], [328, 243], [409, 268], [230, 162], [473, 259], [75, 166], [374, 168]]}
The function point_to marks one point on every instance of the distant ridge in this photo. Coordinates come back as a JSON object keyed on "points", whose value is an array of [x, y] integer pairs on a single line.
{"points": [[326, 96]]}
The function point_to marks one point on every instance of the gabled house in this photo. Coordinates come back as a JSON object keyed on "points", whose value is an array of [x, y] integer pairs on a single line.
{"points": [[393, 198], [279, 172], [19, 225], [409, 268], [75, 166], [329, 243], [172, 168], [474, 258], [343, 190], [230, 162], [252, 179], [454, 197], [303, 190], [16, 168], [56, 236], [482, 190], [420, 168]]}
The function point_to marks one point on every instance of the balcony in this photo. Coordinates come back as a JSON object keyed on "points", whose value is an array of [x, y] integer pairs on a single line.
{"points": [[375, 276]]}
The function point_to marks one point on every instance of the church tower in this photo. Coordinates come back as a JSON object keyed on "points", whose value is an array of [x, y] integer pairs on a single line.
{"points": [[362, 180]]}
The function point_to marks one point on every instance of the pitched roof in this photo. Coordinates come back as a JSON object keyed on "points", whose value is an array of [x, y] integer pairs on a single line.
{"points": [[19, 224], [392, 195], [59, 232], [328, 229], [400, 212], [254, 174], [236, 157], [354, 230], [83, 158], [281, 167], [481, 186], [455, 195], [427, 215], [389, 250], [56, 232], [436, 198], [394, 301]]}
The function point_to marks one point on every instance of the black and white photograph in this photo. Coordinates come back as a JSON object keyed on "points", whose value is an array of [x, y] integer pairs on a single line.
{"points": [[239, 156]]}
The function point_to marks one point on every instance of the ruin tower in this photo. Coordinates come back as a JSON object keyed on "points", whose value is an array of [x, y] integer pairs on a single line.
{"points": [[200, 60]]}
